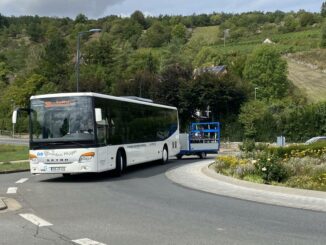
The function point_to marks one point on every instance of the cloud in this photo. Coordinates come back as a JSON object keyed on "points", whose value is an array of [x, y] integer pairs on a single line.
{"points": [[91, 8], [100, 8]]}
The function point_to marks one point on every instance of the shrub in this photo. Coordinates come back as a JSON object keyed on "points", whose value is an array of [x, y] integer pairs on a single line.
{"points": [[247, 146], [271, 169]]}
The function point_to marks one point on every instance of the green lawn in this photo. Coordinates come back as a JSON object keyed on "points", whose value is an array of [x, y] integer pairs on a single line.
{"points": [[13, 153]]}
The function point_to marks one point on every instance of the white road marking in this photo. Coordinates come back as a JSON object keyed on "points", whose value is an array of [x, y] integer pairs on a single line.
{"points": [[35, 220], [21, 181], [12, 190], [86, 241]]}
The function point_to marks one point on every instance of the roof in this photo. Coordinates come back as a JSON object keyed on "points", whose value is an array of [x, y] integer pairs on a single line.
{"points": [[212, 69], [104, 96]]}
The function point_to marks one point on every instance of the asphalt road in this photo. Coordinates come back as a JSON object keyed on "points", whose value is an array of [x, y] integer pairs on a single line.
{"points": [[13, 141], [144, 207]]}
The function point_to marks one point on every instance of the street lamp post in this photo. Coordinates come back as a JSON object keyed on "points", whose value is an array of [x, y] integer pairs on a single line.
{"points": [[13, 125], [78, 53], [256, 93]]}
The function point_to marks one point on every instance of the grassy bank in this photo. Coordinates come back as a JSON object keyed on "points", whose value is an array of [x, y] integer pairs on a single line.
{"points": [[13, 153]]}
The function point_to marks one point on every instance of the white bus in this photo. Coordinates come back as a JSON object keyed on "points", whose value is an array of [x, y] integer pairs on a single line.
{"points": [[90, 132]]}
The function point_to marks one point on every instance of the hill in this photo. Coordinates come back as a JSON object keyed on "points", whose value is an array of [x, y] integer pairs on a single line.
{"points": [[311, 81]]}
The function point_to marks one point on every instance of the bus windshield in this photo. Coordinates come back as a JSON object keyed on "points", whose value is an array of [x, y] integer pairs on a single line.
{"points": [[62, 119]]}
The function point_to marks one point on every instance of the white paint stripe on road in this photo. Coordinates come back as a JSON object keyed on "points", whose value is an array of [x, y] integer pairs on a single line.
{"points": [[21, 181], [12, 190], [35, 220], [86, 241]]}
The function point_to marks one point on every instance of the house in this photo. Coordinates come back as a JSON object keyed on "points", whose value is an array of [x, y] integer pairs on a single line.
{"points": [[268, 41]]}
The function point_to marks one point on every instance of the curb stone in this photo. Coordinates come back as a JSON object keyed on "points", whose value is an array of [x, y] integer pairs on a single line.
{"points": [[198, 176], [3, 206], [14, 171]]}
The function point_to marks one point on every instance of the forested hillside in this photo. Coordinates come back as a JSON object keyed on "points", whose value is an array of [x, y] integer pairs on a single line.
{"points": [[155, 57]]}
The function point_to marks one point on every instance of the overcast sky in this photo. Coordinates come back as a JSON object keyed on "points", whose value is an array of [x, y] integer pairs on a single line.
{"points": [[100, 8]]}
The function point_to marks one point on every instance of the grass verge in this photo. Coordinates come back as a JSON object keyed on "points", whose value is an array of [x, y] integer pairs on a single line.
{"points": [[13, 153], [7, 167]]}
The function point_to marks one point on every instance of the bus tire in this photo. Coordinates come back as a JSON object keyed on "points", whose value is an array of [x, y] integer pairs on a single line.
{"points": [[66, 175], [119, 163], [165, 155], [202, 155], [179, 156]]}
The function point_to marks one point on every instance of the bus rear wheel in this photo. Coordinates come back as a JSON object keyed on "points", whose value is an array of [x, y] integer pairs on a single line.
{"points": [[165, 155], [119, 163]]}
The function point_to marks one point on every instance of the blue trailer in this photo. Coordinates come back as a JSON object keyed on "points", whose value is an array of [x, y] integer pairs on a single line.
{"points": [[203, 138]]}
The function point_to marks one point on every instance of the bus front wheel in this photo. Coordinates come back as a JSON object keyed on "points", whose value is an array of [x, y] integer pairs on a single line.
{"points": [[165, 155], [119, 164]]}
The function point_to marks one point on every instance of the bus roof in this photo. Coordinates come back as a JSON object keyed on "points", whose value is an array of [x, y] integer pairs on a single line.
{"points": [[91, 94]]}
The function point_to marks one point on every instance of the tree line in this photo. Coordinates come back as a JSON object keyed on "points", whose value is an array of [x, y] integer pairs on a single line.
{"points": [[155, 57]]}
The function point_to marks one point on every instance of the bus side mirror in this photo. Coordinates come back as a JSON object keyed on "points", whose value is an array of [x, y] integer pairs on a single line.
{"points": [[98, 114], [14, 117]]}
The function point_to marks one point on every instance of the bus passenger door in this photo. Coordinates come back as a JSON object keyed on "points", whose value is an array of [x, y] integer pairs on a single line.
{"points": [[102, 137]]}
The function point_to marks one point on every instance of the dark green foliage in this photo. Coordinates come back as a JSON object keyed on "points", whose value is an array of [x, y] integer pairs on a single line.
{"points": [[139, 17], [36, 32], [81, 18], [323, 9], [323, 35], [54, 61], [3, 21], [224, 95]]}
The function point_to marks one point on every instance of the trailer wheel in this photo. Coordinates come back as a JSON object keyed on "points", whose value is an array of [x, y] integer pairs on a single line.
{"points": [[179, 156], [202, 155]]}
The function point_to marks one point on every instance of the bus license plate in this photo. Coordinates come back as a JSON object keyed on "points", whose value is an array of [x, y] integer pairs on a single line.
{"points": [[58, 169]]}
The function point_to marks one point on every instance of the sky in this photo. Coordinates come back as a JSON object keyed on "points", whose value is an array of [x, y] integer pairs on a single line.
{"points": [[99, 8]]}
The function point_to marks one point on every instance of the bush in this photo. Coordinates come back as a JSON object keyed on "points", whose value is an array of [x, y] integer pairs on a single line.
{"points": [[247, 146], [271, 169], [299, 151]]}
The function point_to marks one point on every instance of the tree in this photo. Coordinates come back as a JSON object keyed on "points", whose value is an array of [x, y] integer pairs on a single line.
{"points": [[179, 31], [251, 113], [323, 9], [81, 18], [172, 78], [139, 17], [266, 70], [323, 35], [306, 18], [224, 95], [35, 31], [157, 35], [54, 62]]}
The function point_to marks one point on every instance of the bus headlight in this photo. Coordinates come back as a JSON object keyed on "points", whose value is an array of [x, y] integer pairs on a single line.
{"points": [[33, 158], [86, 157]]}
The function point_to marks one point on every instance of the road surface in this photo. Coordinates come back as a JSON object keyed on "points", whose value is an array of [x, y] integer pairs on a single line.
{"points": [[144, 207]]}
